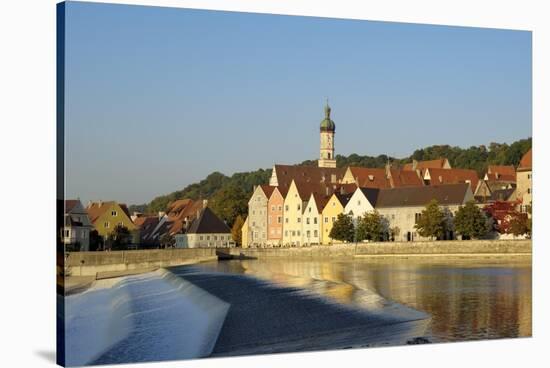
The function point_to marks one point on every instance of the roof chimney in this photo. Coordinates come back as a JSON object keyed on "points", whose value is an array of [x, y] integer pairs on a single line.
{"points": [[342, 190], [100, 203], [333, 178], [327, 191]]}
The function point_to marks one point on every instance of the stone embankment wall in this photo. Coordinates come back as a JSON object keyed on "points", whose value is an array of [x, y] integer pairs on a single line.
{"points": [[91, 263], [428, 248]]}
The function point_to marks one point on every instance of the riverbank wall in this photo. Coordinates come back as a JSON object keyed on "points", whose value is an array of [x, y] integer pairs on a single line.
{"points": [[464, 248], [94, 263]]}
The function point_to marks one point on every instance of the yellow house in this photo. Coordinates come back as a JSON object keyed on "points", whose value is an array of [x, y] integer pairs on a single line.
{"points": [[292, 214], [244, 234], [332, 209], [105, 216]]}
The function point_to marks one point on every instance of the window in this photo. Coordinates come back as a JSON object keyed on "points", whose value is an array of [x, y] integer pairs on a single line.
{"points": [[106, 224], [528, 190], [307, 221], [309, 209], [67, 233], [299, 220], [298, 207], [393, 216], [286, 220], [528, 176], [326, 220], [315, 234], [358, 203], [286, 207], [121, 223], [272, 208], [83, 235], [200, 237], [298, 232], [279, 220], [315, 220], [280, 208], [417, 217], [333, 219], [308, 233], [293, 233], [253, 223], [207, 237], [113, 213], [215, 237]]}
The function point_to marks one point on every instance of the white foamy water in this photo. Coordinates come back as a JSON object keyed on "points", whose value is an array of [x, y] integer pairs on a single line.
{"points": [[155, 316]]}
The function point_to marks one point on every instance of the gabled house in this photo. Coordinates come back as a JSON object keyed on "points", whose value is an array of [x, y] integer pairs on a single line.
{"points": [[77, 226], [335, 205], [275, 215], [311, 219], [206, 231], [362, 201], [105, 216], [257, 214]]}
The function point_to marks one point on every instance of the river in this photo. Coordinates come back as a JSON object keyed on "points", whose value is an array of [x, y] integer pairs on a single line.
{"points": [[467, 300]]}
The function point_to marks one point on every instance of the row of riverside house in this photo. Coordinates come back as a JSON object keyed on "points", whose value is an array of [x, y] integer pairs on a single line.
{"points": [[191, 224], [301, 203]]}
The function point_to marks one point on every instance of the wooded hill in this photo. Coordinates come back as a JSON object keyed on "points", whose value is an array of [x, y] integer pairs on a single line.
{"points": [[228, 195]]}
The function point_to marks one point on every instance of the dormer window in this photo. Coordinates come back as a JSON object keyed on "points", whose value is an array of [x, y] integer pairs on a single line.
{"points": [[113, 213], [371, 177]]}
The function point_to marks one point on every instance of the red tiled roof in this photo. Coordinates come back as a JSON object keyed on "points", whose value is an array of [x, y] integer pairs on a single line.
{"points": [[405, 178], [526, 162], [429, 164], [366, 177], [453, 176], [502, 170], [267, 190], [309, 174], [70, 204]]}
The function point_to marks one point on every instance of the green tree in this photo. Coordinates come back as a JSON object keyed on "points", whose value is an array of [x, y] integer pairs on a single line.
{"points": [[394, 233], [470, 221], [343, 228], [432, 222], [236, 230], [167, 241], [228, 203], [370, 227], [119, 238], [96, 241]]}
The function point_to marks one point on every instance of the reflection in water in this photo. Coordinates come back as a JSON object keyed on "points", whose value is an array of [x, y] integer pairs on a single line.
{"points": [[467, 300]]}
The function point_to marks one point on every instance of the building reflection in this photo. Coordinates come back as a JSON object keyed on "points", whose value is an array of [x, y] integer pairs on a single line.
{"points": [[468, 300]]}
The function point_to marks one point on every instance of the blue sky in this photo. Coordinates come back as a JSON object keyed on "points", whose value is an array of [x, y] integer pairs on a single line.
{"points": [[158, 98]]}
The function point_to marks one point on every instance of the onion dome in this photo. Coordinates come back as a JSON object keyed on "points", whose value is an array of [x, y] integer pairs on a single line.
{"points": [[327, 125]]}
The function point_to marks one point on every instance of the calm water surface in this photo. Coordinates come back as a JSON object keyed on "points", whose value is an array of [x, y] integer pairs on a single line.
{"points": [[467, 300]]}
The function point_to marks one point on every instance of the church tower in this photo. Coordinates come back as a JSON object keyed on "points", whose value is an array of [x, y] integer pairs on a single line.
{"points": [[328, 128]]}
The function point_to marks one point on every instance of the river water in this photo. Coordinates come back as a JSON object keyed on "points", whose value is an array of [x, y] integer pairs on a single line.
{"points": [[467, 300]]}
